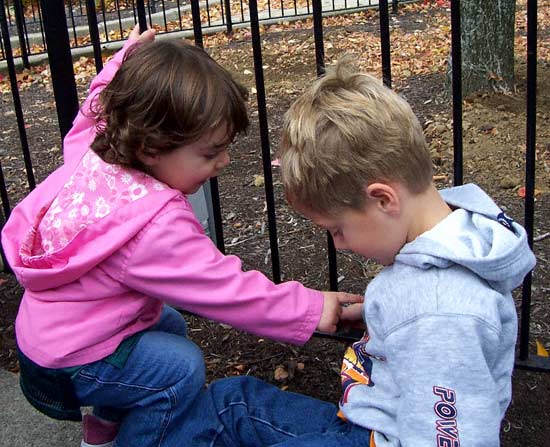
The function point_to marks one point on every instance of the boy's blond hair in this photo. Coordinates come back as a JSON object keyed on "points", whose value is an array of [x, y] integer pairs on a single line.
{"points": [[345, 132]]}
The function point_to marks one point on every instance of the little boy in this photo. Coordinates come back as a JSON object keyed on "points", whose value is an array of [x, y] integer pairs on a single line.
{"points": [[434, 367]]}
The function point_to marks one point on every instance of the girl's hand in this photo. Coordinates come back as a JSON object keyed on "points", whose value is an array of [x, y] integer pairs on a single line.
{"points": [[333, 310], [146, 36]]}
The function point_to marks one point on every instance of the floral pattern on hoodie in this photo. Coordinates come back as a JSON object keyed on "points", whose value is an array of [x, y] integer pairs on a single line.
{"points": [[94, 190]]}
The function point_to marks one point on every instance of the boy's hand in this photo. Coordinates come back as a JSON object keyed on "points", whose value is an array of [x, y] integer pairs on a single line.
{"points": [[333, 310], [146, 36]]}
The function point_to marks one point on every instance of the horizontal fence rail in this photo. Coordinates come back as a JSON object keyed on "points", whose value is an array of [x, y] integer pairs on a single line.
{"points": [[114, 19], [58, 25]]}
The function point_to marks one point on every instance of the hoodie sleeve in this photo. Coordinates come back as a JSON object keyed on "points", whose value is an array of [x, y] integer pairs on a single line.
{"points": [[174, 261], [448, 394], [77, 142]]}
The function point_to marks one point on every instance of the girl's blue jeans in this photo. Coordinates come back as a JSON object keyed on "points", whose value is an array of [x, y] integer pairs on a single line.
{"points": [[151, 393], [246, 412]]}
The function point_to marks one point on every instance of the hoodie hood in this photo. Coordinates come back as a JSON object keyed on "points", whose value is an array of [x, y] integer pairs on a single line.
{"points": [[478, 236], [80, 222]]}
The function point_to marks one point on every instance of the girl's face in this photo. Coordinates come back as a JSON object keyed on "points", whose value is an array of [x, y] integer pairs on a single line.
{"points": [[188, 167]]}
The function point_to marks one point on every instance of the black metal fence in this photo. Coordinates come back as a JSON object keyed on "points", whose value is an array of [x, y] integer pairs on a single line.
{"points": [[25, 21], [51, 16]]}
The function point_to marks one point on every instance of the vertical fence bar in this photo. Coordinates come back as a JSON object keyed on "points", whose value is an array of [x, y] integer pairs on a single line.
{"points": [[320, 65], [33, 13], [394, 6], [26, 33], [119, 17], [104, 20], [456, 59], [6, 208], [318, 37], [61, 63], [228, 19], [197, 27], [19, 21], [264, 136], [529, 168], [208, 13], [7, 211], [142, 17], [94, 34], [7, 7], [179, 13], [385, 42], [214, 195], [2, 52], [71, 16], [40, 22], [16, 98], [164, 16]]}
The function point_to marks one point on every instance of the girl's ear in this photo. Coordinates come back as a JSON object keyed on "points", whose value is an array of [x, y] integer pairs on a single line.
{"points": [[385, 197]]}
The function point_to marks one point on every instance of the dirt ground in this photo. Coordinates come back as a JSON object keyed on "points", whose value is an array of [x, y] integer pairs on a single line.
{"points": [[494, 152]]}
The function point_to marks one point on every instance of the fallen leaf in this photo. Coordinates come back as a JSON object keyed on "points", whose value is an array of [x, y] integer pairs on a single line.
{"points": [[259, 180], [541, 351], [521, 192], [280, 374]]}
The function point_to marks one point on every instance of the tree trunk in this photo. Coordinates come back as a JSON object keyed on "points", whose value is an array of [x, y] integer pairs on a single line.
{"points": [[487, 28]]}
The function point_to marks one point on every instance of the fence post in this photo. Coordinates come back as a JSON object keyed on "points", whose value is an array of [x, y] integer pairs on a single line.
{"points": [[318, 36], [264, 138], [228, 19], [394, 6], [16, 97], [530, 158], [456, 59], [212, 193], [385, 41], [94, 34], [142, 17], [320, 64], [197, 26], [7, 211], [19, 21], [61, 63]]}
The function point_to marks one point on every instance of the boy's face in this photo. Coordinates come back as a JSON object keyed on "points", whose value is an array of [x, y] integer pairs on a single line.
{"points": [[188, 167], [369, 232]]}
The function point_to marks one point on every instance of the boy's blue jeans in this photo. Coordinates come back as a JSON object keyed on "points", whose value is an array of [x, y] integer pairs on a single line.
{"points": [[151, 393], [246, 412]]}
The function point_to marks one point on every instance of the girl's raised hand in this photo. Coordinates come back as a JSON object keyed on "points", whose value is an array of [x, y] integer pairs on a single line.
{"points": [[146, 36]]}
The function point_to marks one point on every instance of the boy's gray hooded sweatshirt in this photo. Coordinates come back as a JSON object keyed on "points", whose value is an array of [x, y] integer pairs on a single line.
{"points": [[434, 368]]}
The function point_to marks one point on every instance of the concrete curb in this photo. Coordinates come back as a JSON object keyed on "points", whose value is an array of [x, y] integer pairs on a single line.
{"points": [[22, 426]]}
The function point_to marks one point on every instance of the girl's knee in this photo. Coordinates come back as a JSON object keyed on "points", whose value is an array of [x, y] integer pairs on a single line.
{"points": [[172, 321]]}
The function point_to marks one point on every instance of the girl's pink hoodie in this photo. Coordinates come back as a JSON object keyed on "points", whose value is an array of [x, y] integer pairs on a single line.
{"points": [[99, 249]]}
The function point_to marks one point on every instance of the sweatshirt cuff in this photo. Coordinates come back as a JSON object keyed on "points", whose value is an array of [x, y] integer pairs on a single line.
{"points": [[312, 316]]}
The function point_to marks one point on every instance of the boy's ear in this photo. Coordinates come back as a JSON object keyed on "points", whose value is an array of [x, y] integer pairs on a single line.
{"points": [[385, 196]]}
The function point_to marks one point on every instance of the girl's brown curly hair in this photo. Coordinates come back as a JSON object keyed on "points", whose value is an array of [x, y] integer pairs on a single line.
{"points": [[166, 94]]}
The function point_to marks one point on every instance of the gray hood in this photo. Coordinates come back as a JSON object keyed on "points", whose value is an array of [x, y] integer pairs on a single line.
{"points": [[477, 236]]}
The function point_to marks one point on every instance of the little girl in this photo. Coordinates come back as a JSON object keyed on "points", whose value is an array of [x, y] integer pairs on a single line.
{"points": [[109, 238]]}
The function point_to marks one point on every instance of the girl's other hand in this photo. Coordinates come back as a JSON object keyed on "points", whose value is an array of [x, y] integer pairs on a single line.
{"points": [[333, 310], [146, 36]]}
